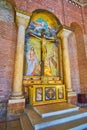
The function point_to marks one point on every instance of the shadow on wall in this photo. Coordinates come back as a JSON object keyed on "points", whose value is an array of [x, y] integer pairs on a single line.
{"points": [[5, 89]]}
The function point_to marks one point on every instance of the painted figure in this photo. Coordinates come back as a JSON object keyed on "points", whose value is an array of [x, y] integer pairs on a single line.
{"points": [[47, 35], [51, 63], [36, 27], [60, 93], [32, 62], [38, 94]]}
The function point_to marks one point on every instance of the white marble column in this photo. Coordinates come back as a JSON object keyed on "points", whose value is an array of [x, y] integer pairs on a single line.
{"points": [[22, 21], [64, 34]]}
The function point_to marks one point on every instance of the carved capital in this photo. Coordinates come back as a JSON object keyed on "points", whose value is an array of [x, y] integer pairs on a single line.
{"points": [[22, 18], [64, 31]]}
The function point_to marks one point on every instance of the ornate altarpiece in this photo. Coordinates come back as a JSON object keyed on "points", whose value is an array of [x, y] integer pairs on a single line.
{"points": [[43, 72]]}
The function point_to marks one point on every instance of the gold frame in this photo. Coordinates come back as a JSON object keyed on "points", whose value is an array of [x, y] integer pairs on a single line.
{"points": [[32, 94]]}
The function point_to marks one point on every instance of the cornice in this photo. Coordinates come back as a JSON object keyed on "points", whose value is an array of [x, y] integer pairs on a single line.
{"points": [[23, 12], [77, 3]]}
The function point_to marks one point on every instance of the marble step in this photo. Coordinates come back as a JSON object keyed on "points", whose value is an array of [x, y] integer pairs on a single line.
{"points": [[80, 124], [39, 123], [80, 127], [55, 109], [25, 123]]}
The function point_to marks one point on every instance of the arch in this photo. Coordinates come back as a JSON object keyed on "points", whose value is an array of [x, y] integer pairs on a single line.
{"points": [[75, 83], [48, 13], [81, 55], [42, 33], [43, 57], [43, 20]]}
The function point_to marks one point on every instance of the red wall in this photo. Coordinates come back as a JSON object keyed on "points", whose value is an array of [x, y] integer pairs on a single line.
{"points": [[67, 13], [7, 52]]}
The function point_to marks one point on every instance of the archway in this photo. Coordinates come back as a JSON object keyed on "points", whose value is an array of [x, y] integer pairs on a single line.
{"points": [[81, 55], [42, 33], [43, 59], [45, 41]]}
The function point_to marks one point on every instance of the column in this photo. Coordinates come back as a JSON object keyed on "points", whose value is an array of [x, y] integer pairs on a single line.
{"points": [[22, 21], [60, 61], [64, 34]]}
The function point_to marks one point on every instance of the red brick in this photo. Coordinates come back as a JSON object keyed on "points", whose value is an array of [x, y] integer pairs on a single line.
{"points": [[69, 15]]}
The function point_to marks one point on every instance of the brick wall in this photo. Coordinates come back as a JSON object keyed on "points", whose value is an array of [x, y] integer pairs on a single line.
{"points": [[67, 13], [7, 52], [85, 25], [85, 18], [75, 81], [81, 57]]}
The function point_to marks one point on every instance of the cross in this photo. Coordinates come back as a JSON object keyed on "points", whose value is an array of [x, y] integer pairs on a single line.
{"points": [[43, 40], [50, 93]]}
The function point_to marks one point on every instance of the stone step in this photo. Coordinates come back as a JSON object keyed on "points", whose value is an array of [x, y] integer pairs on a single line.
{"points": [[80, 127], [55, 109], [80, 124], [25, 123], [39, 123]]}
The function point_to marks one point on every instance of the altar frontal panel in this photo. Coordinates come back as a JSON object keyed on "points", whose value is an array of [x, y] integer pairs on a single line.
{"points": [[44, 94]]}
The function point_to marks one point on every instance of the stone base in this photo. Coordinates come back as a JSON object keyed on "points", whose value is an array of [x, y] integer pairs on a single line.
{"points": [[72, 97], [58, 116], [16, 107]]}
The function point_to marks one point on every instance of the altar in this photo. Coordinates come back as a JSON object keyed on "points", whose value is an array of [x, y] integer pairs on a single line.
{"points": [[40, 92], [43, 62]]}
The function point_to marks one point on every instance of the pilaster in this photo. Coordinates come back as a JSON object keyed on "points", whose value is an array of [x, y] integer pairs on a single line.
{"points": [[64, 33], [16, 104], [22, 21]]}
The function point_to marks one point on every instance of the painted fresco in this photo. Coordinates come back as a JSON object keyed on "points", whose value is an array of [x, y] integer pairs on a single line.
{"points": [[33, 57], [60, 92], [36, 56], [39, 94], [51, 60], [40, 26], [41, 47]]}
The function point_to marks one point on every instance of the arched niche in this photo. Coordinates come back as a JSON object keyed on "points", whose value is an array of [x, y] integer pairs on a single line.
{"points": [[81, 55], [41, 45], [43, 78]]}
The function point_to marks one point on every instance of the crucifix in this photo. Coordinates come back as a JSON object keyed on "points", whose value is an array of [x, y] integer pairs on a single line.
{"points": [[43, 40], [51, 93]]}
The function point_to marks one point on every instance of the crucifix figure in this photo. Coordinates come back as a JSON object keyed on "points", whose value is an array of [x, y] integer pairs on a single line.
{"points": [[44, 51], [51, 93], [44, 40]]}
